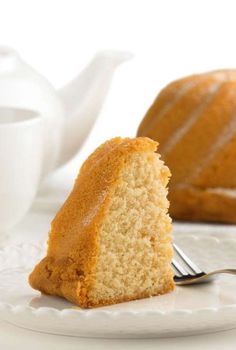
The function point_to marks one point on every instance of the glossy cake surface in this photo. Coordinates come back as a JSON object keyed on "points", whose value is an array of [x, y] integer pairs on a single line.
{"points": [[194, 120]]}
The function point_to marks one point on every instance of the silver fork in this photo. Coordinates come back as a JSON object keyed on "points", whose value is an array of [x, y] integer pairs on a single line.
{"points": [[188, 272]]}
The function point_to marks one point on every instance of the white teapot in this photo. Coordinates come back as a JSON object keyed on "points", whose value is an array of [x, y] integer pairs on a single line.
{"points": [[41, 128], [68, 113]]}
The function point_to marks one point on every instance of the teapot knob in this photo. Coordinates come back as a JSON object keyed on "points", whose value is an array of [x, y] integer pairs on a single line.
{"points": [[8, 58]]}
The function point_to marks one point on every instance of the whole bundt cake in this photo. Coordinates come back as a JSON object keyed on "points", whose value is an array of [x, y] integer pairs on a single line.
{"points": [[194, 121], [111, 242]]}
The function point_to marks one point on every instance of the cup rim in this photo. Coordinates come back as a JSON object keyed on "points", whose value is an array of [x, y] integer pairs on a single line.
{"points": [[33, 117]]}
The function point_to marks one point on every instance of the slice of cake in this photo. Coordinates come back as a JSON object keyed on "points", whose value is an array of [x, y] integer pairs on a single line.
{"points": [[110, 242]]}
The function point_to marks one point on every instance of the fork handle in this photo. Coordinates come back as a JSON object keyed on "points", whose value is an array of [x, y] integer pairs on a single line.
{"points": [[230, 271]]}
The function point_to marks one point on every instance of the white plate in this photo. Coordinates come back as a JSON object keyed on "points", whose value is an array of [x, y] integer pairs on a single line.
{"points": [[187, 310]]}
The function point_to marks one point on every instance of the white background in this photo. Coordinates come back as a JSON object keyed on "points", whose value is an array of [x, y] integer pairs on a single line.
{"points": [[168, 38]]}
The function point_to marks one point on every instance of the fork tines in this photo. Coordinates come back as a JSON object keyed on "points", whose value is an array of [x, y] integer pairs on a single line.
{"points": [[186, 268]]}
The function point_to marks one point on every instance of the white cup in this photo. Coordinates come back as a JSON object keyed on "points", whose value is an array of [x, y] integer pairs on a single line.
{"points": [[21, 154]]}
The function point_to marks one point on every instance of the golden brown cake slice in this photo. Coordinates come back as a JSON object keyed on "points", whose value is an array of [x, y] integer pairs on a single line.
{"points": [[110, 242]]}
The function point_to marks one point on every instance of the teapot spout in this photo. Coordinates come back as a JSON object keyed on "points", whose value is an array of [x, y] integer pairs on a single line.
{"points": [[83, 98]]}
